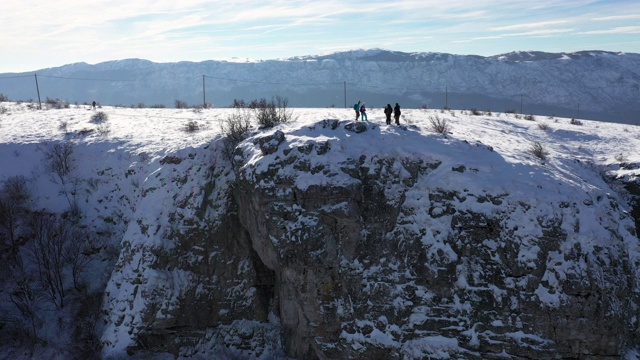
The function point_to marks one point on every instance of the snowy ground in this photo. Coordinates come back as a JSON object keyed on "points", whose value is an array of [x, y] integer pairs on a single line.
{"points": [[154, 133], [131, 142]]}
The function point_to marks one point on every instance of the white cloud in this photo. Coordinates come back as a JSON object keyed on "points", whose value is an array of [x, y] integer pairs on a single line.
{"points": [[57, 32], [616, 30], [617, 18], [529, 25]]}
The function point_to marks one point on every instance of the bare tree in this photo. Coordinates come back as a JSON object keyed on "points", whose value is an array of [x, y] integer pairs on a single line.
{"points": [[78, 249], [24, 297], [58, 160], [47, 252], [14, 198]]}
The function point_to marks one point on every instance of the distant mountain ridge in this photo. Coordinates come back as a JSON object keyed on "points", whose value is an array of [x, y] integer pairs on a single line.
{"points": [[597, 85]]}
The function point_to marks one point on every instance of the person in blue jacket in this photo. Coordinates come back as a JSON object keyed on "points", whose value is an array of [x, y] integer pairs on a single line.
{"points": [[356, 107], [363, 112]]}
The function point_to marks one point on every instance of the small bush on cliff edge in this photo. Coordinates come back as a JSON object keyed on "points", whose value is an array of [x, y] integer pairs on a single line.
{"points": [[271, 113], [439, 125]]}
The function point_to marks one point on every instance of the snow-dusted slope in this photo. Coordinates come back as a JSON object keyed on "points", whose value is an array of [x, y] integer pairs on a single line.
{"points": [[589, 84], [327, 237]]}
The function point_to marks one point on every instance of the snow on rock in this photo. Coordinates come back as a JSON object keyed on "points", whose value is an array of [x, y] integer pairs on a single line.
{"points": [[327, 238]]}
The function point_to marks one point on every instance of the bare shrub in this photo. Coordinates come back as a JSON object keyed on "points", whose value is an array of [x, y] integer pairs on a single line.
{"points": [[575, 122], [529, 117], [3, 110], [439, 125], [621, 158], [56, 103], [476, 112], [180, 104], [270, 113], [257, 103], [543, 126], [99, 117], [85, 132], [158, 106], [64, 126], [103, 129], [191, 126], [538, 150], [238, 103], [235, 126], [3, 97]]}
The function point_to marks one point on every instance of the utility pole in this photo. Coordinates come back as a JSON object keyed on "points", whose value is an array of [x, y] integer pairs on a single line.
{"points": [[520, 103], [38, 90], [204, 94], [345, 94], [446, 98]]}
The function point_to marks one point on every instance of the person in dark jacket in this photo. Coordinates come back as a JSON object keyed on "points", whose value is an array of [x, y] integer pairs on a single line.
{"points": [[356, 107], [387, 111], [396, 113]]}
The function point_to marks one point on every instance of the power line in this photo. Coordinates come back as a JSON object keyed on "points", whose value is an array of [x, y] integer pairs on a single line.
{"points": [[384, 88], [271, 83], [83, 79], [15, 76]]}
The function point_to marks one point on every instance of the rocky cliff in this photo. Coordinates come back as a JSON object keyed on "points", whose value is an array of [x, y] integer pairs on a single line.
{"points": [[335, 239]]}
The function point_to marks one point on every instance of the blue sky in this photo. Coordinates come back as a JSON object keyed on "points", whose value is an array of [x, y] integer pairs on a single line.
{"points": [[47, 33]]}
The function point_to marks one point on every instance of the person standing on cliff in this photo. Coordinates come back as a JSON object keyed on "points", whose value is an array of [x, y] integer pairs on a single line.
{"points": [[356, 107], [396, 113], [363, 112], [387, 111]]}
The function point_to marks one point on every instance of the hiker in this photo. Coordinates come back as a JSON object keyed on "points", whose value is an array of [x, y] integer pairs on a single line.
{"points": [[356, 107], [396, 113], [387, 111], [94, 104], [363, 112]]}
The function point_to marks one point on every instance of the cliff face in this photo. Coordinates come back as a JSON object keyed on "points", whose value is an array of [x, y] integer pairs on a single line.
{"points": [[336, 240]]}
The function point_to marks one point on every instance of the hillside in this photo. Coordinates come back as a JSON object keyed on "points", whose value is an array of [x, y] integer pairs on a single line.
{"points": [[588, 84], [318, 238]]}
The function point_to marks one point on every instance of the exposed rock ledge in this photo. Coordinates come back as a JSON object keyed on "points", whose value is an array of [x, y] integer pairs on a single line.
{"points": [[300, 248]]}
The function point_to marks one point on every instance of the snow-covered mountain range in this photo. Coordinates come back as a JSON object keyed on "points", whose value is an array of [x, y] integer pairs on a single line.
{"points": [[589, 84], [151, 234]]}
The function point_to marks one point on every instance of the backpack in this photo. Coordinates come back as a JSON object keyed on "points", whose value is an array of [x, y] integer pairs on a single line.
{"points": [[356, 107]]}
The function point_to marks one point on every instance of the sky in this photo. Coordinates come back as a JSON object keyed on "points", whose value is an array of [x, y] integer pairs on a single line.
{"points": [[40, 34]]}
